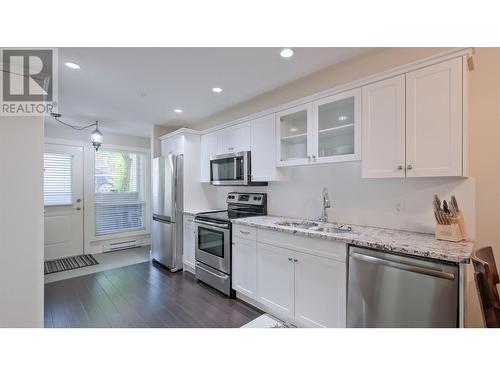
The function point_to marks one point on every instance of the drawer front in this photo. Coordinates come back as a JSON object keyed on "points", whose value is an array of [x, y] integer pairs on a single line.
{"points": [[329, 249], [243, 231]]}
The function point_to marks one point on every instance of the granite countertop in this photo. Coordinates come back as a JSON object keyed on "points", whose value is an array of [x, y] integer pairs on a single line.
{"points": [[397, 241]]}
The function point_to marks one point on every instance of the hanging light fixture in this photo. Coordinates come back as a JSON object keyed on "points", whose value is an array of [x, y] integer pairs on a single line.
{"points": [[95, 137]]}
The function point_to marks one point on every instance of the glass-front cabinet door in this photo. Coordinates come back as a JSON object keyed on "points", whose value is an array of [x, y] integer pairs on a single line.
{"points": [[294, 130], [336, 127]]}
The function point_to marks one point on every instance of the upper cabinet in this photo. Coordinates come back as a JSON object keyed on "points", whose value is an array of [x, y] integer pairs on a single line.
{"points": [[172, 145], [337, 127], [208, 148], [434, 120], [263, 147], [324, 131], [294, 135], [412, 123], [234, 139], [384, 128]]}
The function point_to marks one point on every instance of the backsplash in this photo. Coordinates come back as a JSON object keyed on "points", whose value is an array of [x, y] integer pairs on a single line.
{"points": [[398, 203]]}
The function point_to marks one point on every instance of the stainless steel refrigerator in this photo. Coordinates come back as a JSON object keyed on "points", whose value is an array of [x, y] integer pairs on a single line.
{"points": [[166, 228]]}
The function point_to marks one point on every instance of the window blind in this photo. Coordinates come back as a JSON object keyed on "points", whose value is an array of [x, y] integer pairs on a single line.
{"points": [[57, 179], [119, 191]]}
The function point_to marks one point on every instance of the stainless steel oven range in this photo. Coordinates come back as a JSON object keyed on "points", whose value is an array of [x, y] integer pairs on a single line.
{"points": [[213, 238]]}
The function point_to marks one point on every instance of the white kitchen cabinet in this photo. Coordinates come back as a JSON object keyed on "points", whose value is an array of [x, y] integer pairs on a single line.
{"points": [[173, 145], [434, 131], [327, 130], [275, 287], [234, 139], [244, 265], [208, 148], [189, 242], [294, 136], [384, 128], [320, 291], [263, 147], [336, 128]]}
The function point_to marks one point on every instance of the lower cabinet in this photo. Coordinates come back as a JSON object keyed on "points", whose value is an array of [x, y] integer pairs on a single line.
{"points": [[244, 259], [189, 244], [275, 279], [320, 291], [287, 276]]}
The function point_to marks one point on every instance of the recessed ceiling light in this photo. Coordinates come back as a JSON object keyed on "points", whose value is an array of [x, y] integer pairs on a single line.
{"points": [[342, 118], [177, 110], [72, 65], [286, 53], [217, 90], [293, 129]]}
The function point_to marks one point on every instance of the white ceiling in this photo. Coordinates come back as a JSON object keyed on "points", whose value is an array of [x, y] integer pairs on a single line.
{"points": [[129, 89]]}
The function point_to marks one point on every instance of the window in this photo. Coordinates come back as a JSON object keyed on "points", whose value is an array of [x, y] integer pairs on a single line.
{"points": [[119, 191], [57, 185]]}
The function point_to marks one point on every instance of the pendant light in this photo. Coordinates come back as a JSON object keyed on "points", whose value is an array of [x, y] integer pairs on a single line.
{"points": [[95, 137]]}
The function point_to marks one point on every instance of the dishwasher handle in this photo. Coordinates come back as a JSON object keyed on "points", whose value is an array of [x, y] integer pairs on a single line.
{"points": [[403, 266]]}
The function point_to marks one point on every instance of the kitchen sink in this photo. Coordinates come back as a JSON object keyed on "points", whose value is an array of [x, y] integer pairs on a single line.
{"points": [[334, 229], [317, 227], [299, 224]]}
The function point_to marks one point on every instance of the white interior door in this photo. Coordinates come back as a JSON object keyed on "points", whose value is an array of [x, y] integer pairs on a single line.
{"points": [[63, 200]]}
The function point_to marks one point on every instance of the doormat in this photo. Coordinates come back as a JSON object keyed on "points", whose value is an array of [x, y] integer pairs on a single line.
{"points": [[70, 263]]}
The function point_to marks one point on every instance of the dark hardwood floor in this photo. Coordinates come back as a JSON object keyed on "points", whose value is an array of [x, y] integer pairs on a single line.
{"points": [[142, 295]]}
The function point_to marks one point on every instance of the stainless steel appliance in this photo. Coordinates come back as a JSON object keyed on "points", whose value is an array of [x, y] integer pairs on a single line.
{"points": [[232, 169], [167, 200], [393, 291], [213, 238]]}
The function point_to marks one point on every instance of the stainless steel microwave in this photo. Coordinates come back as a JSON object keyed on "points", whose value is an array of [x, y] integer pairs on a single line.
{"points": [[232, 169]]}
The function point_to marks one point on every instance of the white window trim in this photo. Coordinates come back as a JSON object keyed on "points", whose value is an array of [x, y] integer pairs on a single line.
{"points": [[90, 235]]}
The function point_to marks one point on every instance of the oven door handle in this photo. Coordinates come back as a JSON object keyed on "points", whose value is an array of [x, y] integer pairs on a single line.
{"points": [[211, 272], [225, 226]]}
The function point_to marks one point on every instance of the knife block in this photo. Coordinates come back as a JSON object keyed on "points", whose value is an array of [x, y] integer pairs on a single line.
{"points": [[459, 219], [450, 232]]}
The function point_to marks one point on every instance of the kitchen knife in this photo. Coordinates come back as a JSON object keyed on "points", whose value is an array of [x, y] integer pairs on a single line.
{"points": [[454, 202], [445, 207]]}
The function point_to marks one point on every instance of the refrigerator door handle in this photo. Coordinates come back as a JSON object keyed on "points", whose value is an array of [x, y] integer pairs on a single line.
{"points": [[404, 266]]}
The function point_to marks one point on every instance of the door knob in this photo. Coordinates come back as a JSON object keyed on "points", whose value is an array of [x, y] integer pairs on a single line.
{"points": [[409, 166], [290, 259], [78, 208], [78, 200]]}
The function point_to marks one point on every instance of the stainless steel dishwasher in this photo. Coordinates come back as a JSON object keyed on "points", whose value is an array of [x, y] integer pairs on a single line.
{"points": [[393, 291]]}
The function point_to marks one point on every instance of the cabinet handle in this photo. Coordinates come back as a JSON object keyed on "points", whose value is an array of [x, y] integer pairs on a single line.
{"points": [[409, 167], [290, 259], [295, 260], [400, 167], [314, 158], [309, 157], [233, 243], [243, 232]]}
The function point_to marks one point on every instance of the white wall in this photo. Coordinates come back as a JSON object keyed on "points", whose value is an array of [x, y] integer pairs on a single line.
{"points": [[60, 134], [21, 222], [387, 203]]}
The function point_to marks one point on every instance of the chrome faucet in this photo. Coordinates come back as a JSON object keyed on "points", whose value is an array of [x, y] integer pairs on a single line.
{"points": [[326, 204]]}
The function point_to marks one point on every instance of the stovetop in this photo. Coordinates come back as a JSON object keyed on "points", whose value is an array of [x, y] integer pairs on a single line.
{"points": [[239, 205]]}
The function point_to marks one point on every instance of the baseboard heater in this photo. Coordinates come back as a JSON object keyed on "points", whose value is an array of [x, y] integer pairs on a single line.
{"points": [[119, 245]]}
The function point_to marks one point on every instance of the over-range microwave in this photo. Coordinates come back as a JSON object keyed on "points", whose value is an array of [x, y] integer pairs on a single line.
{"points": [[232, 169]]}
